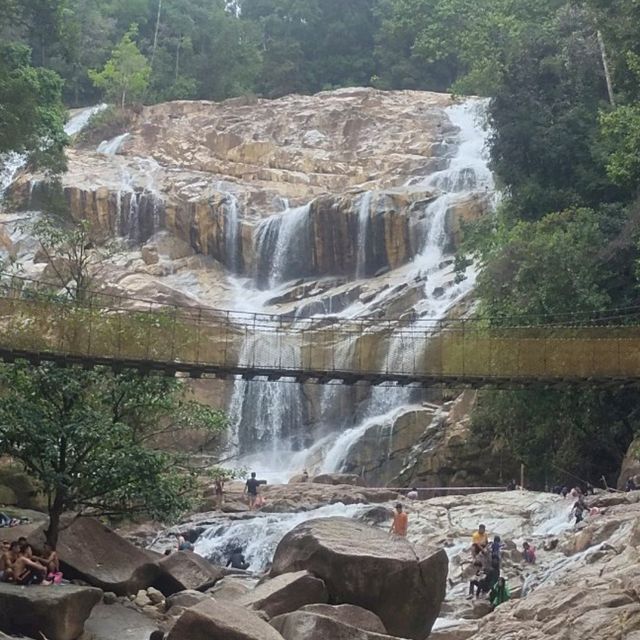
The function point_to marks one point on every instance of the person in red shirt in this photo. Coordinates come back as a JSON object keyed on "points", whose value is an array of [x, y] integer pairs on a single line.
{"points": [[400, 522]]}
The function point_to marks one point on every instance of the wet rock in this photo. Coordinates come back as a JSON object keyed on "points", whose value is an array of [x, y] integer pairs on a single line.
{"points": [[285, 593], [186, 570], [58, 613], [364, 566], [221, 621]]}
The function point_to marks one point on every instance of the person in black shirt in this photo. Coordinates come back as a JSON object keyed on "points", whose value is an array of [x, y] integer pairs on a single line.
{"points": [[251, 489], [237, 560]]}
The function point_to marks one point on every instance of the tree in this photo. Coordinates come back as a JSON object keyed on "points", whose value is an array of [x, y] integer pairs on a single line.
{"points": [[87, 437], [125, 76], [31, 114]]}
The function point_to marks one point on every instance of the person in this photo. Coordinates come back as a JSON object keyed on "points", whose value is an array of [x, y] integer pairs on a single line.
{"points": [[305, 476], [400, 523], [219, 489], [413, 494], [251, 489], [631, 485], [499, 593], [51, 563], [590, 490], [184, 545], [528, 553], [564, 491], [475, 581], [480, 537], [484, 582], [27, 571], [496, 548], [237, 560], [578, 510], [512, 485]]}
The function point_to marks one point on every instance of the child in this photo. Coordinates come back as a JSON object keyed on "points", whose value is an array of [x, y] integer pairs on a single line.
{"points": [[528, 553]]}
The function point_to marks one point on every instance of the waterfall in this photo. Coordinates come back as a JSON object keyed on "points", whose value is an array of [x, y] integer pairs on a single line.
{"points": [[259, 536], [268, 418], [111, 147], [364, 222], [232, 239], [283, 247], [79, 121]]}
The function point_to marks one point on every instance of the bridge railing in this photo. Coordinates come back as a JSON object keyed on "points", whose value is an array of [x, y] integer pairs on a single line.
{"points": [[264, 345]]}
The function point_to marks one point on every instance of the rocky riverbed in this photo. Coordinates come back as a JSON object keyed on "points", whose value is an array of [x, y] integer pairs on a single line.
{"points": [[323, 568]]}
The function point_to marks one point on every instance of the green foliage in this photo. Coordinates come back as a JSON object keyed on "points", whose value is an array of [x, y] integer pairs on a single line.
{"points": [[31, 115], [105, 125], [125, 76], [621, 134], [561, 435], [87, 438]]}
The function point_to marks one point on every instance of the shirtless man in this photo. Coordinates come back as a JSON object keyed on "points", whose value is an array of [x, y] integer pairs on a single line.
{"points": [[27, 571], [7, 558], [400, 522]]}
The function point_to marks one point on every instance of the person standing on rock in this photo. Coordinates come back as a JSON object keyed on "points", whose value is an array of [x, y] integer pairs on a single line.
{"points": [[400, 523], [219, 489], [251, 489], [480, 537]]}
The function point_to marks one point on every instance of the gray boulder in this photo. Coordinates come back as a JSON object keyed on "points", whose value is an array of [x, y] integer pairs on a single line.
{"points": [[185, 599], [286, 593], [57, 612], [349, 614], [117, 622], [186, 570], [364, 566], [306, 625], [339, 478], [212, 620]]}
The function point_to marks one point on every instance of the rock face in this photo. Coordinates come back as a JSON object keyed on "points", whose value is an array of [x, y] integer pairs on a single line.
{"points": [[115, 621], [94, 553], [58, 613], [286, 593], [349, 614], [364, 566], [630, 465], [211, 620]]}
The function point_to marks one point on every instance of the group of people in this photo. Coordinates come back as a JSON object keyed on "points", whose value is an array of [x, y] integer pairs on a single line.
{"points": [[486, 565], [19, 565], [251, 491]]}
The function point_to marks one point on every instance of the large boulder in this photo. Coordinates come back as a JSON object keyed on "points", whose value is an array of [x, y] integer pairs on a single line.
{"points": [[186, 570], [339, 478], [362, 565], [57, 613], [306, 625], [349, 614], [286, 593], [94, 553], [212, 620], [117, 622]]}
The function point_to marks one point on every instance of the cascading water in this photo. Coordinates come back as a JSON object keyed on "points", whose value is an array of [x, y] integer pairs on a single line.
{"points": [[364, 211], [269, 418], [232, 234], [111, 147], [79, 121]]}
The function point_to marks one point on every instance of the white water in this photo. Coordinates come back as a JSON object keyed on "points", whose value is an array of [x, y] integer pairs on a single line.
{"points": [[276, 411], [232, 233], [258, 537], [111, 147], [78, 122], [364, 211]]}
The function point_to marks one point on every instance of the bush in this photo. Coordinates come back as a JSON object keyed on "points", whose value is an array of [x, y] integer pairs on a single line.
{"points": [[105, 125]]}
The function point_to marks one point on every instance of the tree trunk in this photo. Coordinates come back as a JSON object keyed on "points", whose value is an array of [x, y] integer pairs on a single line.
{"points": [[55, 513], [178, 57], [155, 35], [605, 66]]}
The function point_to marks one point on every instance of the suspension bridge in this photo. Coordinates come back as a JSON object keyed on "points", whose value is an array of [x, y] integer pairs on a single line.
{"points": [[126, 333]]}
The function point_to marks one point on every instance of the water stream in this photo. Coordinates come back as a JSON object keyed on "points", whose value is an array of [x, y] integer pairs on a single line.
{"points": [[271, 421]]}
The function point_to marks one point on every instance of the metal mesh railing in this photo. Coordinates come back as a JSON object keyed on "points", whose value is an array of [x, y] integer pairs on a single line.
{"points": [[99, 330]]}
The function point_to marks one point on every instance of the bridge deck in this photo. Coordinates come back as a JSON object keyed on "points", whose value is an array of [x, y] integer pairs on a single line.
{"points": [[200, 342]]}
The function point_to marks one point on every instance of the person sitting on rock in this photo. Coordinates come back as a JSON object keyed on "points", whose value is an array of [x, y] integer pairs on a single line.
{"points": [[400, 523], [480, 537], [413, 494], [184, 545], [631, 485], [237, 560], [528, 553], [52, 563], [7, 558], [27, 571], [474, 583], [496, 548], [499, 593], [305, 476]]}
